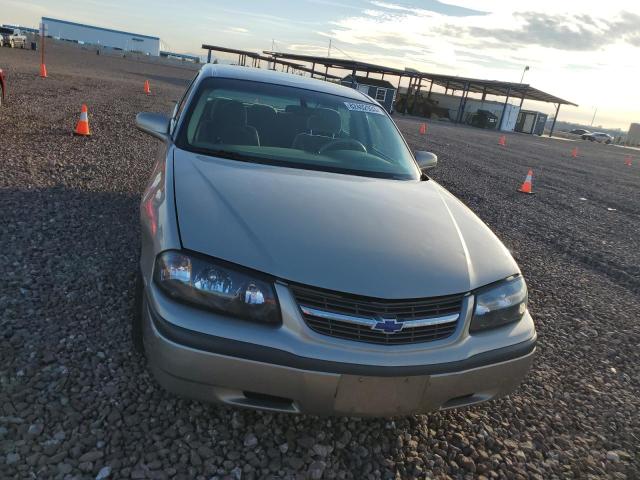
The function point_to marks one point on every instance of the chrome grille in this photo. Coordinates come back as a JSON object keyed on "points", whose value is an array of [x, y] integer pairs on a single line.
{"points": [[352, 318]]}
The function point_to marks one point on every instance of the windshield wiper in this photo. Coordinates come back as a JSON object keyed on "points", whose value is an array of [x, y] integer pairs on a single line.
{"points": [[230, 154]]}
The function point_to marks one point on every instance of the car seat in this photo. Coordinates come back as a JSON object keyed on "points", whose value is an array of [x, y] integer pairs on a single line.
{"points": [[323, 126], [227, 124]]}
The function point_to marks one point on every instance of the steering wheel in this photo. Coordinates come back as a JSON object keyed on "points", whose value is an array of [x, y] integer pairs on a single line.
{"points": [[343, 144]]}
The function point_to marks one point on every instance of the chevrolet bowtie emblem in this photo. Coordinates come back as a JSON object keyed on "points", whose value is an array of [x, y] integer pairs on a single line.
{"points": [[388, 325]]}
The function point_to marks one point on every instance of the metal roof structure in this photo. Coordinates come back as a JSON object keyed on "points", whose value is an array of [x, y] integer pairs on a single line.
{"points": [[450, 82], [454, 83], [256, 60], [374, 82], [339, 63]]}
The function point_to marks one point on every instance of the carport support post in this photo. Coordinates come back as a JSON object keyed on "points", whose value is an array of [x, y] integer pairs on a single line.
{"points": [[353, 78], [415, 96], [430, 87], [406, 103], [209, 57], [462, 103], [504, 108], [524, 94], [553, 125]]}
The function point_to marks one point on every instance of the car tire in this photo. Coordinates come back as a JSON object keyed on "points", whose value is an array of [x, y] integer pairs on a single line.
{"points": [[136, 315]]}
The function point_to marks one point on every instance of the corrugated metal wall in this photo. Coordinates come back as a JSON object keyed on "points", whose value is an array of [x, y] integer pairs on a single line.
{"points": [[104, 37]]}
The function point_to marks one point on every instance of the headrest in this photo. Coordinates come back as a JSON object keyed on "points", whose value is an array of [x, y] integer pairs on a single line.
{"points": [[325, 120], [231, 112], [258, 109]]}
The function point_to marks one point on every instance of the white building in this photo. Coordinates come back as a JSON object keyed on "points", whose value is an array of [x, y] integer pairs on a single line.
{"points": [[106, 37]]}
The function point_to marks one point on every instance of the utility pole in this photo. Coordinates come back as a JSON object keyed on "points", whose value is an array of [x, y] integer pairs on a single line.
{"points": [[594, 116], [329, 49]]}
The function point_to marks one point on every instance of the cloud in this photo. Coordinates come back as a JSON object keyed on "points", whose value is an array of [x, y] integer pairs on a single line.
{"points": [[560, 32], [237, 30], [431, 6]]}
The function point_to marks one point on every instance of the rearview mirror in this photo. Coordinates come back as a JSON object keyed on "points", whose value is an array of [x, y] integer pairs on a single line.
{"points": [[426, 160], [155, 124]]}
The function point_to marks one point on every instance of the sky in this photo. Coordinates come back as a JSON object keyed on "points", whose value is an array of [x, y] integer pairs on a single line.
{"points": [[586, 52]]}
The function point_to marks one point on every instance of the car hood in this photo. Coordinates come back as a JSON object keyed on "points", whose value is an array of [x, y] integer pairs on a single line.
{"points": [[374, 237]]}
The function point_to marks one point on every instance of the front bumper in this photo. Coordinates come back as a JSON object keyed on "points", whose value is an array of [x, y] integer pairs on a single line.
{"points": [[212, 368]]}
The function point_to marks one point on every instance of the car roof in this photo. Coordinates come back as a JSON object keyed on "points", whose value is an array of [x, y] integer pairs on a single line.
{"points": [[281, 78]]}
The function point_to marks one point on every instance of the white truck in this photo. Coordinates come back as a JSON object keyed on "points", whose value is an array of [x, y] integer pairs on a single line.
{"points": [[12, 38]]}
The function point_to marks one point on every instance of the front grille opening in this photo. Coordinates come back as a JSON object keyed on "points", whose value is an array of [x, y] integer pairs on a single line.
{"points": [[401, 310]]}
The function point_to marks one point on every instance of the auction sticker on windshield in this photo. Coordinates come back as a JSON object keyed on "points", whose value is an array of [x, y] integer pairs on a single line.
{"points": [[363, 107]]}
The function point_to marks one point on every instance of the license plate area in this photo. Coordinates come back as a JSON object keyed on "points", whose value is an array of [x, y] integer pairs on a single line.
{"points": [[381, 396]]}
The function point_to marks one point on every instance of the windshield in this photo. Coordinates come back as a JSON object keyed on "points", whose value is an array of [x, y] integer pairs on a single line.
{"points": [[293, 127]]}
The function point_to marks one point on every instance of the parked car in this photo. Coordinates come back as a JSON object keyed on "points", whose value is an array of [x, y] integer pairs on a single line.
{"points": [[598, 137], [12, 38], [296, 257], [580, 132], [3, 87], [483, 119]]}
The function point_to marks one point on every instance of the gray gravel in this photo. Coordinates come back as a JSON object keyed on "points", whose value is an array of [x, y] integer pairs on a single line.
{"points": [[76, 403]]}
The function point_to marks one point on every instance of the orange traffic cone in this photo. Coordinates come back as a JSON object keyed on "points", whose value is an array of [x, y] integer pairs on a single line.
{"points": [[82, 127], [628, 162], [574, 152], [502, 141], [43, 70], [147, 88], [527, 184], [423, 129]]}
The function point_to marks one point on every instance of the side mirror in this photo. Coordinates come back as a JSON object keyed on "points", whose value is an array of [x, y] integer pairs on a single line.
{"points": [[155, 124], [426, 160]]}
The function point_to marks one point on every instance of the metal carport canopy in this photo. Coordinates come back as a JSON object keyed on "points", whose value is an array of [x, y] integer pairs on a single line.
{"points": [[476, 85], [493, 87], [256, 57], [340, 63]]}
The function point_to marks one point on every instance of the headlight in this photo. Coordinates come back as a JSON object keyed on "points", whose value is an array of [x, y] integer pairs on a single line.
{"points": [[217, 286], [499, 305]]}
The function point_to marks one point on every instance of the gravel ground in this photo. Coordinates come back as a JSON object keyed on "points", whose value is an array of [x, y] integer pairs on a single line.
{"points": [[75, 402]]}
